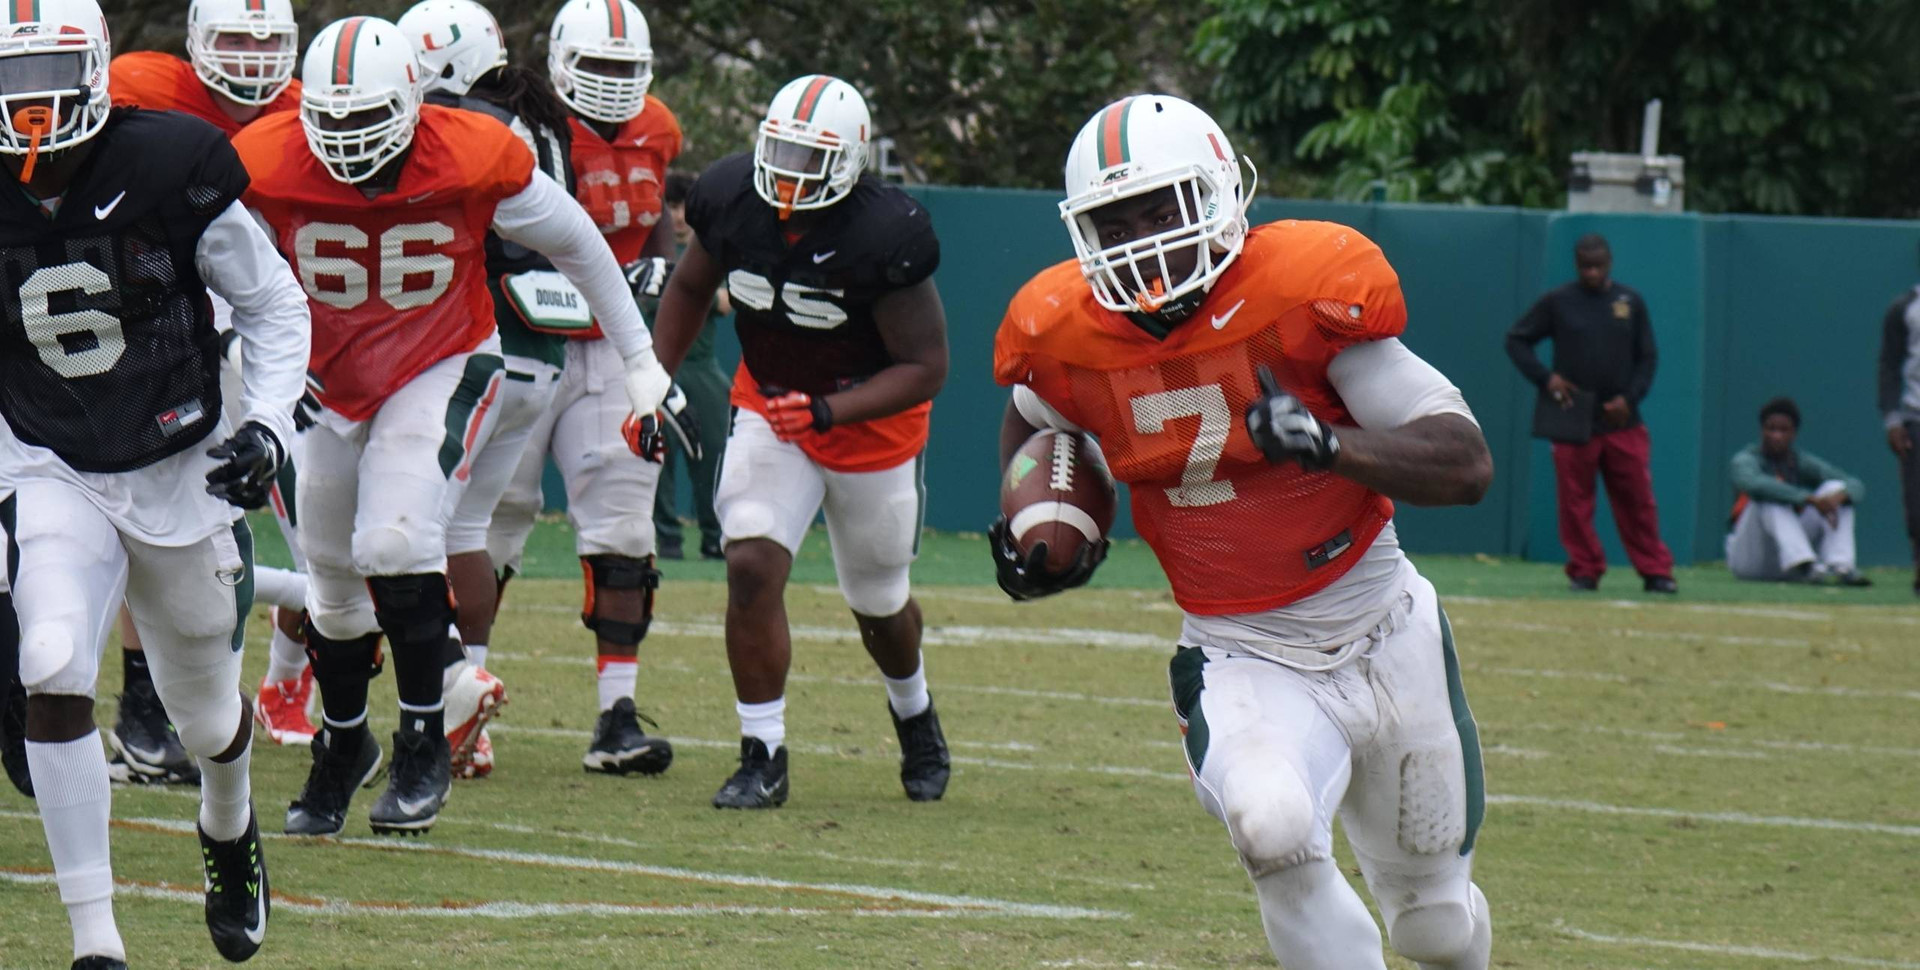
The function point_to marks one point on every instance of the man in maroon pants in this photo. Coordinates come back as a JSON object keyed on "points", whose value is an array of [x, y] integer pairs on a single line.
{"points": [[1603, 360]]}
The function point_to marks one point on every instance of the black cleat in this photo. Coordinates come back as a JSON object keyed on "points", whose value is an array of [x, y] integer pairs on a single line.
{"points": [[98, 963], [924, 764], [13, 737], [343, 759], [417, 785], [761, 781], [147, 751], [1583, 584], [619, 746], [237, 897], [1660, 584]]}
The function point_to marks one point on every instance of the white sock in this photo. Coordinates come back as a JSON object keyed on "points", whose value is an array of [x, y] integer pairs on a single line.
{"points": [[281, 587], [618, 675], [768, 722], [226, 792], [287, 659], [1315, 921], [908, 695], [477, 655], [70, 779], [346, 725]]}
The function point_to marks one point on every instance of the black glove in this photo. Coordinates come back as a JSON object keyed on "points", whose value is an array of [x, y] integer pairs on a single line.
{"points": [[1026, 577], [648, 276], [1284, 430], [249, 461], [647, 436]]}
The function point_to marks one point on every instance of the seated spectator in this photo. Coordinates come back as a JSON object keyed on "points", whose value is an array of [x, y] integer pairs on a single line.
{"points": [[1793, 519]]}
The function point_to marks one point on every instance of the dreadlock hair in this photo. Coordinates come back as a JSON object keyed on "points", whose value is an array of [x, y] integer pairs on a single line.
{"points": [[526, 94]]}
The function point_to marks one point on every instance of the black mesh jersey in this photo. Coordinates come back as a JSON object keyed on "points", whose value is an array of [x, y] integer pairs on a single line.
{"points": [[108, 355], [805, 311]]}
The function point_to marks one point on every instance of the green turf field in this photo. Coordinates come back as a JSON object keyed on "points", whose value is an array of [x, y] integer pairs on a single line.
{"points": [[1723, 780]]}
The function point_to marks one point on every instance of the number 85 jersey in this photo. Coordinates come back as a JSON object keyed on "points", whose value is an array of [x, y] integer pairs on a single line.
{"points": [[397, 282], [1234, 533]]}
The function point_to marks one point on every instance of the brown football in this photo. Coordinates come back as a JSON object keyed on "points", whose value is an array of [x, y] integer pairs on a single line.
{"points": [[1057, 490]]}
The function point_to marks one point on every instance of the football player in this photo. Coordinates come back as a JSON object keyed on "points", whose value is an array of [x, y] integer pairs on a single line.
{"points": [[241, 59], [384, 205], [844, 345], [600, 61], [1250, 387], [126, 474]]}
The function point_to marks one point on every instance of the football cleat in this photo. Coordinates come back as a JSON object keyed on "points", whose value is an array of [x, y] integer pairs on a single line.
{"points": [[620, 747], [480, 763], [924, 764], [237, 895], [473, 697], [13, 738], [343, 759], [281, 709], [760, 782], [147, 751], [98, 963], [417, 785]]}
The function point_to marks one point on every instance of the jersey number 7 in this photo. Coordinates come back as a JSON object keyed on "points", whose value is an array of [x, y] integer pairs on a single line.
{"points": [[1208, 402]]}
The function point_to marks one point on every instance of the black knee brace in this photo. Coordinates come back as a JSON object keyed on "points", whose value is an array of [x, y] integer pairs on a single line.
{"points": [[619, 572], [411, 609], [343, 669]]}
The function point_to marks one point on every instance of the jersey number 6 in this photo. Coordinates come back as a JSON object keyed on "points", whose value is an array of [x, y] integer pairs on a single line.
{"points": [[396, 264], [53, 334]]}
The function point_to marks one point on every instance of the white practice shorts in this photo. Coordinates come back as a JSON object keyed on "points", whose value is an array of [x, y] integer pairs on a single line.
{"points": [[770, 489], [376, 495], [1385, 742], [189, 604], [525, 398], [609, 488]]}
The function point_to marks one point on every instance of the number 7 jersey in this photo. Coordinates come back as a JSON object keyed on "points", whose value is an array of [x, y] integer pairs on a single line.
{"points": [[1234, 533], [397, 282]]}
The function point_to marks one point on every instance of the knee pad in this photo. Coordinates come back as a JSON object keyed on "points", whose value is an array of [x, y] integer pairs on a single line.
{"points": [[337, 661], [388, 551], [876, 592], [1270, 818], [415, 608], [1440, 933], [207, 726], [622, 573], [52, 660]]}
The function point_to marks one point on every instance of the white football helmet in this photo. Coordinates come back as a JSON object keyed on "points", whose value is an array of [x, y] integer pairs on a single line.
{"points": [[1145, 144], [270, 40], [812, 145], [456, 40], [359, 97], [53, 75], [601, 30]]}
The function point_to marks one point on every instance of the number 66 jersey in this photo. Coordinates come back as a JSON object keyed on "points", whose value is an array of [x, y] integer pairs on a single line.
{"points": [[1234, 533]]}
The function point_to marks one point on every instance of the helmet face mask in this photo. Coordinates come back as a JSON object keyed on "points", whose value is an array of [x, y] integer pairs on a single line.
{"points": [[812, 145], [1153, 156], [247, 55], [600, 59], [53, 79], [457, 42], [360, 97]]}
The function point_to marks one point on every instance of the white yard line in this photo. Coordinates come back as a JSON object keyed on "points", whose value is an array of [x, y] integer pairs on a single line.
{"points": [[1731, 739], [1468, 624], [1731, 818], [1765, 685], [1722, 949], [958, 635]]}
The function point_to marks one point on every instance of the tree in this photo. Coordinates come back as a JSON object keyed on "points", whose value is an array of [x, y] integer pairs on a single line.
{"points": [[1787, 106]]}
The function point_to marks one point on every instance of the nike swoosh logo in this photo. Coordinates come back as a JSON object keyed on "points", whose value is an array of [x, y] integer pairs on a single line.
{"points": [[819, 258], [101, 212], [258, 931], [144, 757], [1220, 319], [416, 198], [413, 808]]}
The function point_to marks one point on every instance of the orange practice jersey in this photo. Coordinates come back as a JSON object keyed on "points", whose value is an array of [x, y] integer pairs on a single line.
{"points": [[863, 446], [163, 82], [622, 183], [1234, 533], [397, 283]]}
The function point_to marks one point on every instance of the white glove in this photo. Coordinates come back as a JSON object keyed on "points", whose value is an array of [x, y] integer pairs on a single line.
{"points": [[647, 382]]}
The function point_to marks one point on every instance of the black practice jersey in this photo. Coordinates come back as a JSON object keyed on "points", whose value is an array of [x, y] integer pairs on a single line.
{"points": [[108, 355], [805, 310]]}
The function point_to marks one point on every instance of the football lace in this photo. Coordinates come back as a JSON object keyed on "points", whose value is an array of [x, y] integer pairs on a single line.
{"points": [[1061, 477]]}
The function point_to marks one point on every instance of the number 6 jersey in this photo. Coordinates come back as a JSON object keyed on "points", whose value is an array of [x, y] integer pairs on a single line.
{"points": [[398, 281], [1234, 533]]}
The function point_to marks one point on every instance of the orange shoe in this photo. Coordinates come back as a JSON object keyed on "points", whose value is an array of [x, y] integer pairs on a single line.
{"points": [[281, 709], [473, 696], [480, 764]]}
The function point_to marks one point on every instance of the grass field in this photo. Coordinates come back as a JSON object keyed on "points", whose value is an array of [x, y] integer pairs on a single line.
{"points": [[1699, 783]]}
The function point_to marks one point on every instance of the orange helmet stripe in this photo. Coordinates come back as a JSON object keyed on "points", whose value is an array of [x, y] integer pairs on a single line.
{"points": [[1113, 135], [343, 51], [810, 98], [26, 11], [617, 18]]}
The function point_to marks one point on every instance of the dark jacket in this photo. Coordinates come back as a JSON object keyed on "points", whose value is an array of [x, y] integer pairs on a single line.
{"points": [[1602, 342]]}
